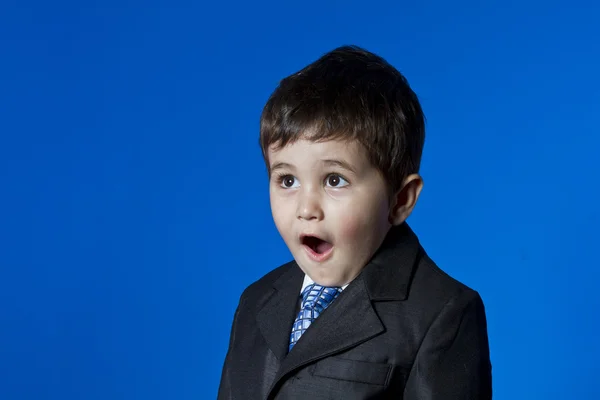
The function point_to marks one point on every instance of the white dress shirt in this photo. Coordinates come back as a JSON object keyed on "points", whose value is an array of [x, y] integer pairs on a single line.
{"points": [[308, 281]]}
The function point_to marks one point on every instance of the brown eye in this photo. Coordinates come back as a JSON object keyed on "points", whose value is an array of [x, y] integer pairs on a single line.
{"points": [[336, 181], [288, 181]]}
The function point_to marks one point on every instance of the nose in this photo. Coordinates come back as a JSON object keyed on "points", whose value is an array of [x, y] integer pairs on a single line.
{"points": [[309, 207]]}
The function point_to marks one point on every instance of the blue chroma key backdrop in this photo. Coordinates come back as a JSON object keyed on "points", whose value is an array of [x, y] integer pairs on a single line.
{"points": [[133, 196]]}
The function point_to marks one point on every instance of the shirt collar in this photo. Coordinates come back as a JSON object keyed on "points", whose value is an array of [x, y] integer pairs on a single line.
{"points": [[308, 281]]}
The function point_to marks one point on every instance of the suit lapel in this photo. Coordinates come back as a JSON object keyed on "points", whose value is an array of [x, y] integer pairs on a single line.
{"points": [[348, 321], [276, 316]]}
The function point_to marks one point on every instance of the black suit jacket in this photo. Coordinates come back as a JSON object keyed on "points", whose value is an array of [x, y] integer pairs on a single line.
{"points": [[402, 329]]}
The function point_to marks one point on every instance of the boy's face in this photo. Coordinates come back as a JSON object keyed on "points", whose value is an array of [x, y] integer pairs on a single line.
{"points": [[330, 205]]}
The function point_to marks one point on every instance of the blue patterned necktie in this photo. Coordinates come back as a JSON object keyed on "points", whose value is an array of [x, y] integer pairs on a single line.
{"points": [[315, 299]]}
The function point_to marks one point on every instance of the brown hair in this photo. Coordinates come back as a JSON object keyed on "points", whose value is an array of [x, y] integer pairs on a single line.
{"points": [[349, 94]]}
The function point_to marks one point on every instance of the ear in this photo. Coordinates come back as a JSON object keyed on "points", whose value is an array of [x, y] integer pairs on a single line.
{"points": [[404, 200]]}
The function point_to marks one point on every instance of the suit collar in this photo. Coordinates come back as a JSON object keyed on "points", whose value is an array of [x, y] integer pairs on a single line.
{"points": [[387, 276]]}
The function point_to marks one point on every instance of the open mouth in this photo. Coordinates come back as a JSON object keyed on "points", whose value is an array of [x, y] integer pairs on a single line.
{"points": [[316, 245]]}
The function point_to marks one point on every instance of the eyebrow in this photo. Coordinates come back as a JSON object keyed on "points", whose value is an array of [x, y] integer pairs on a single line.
{"points": [[329, 162], [339, 163], [281, 165]]}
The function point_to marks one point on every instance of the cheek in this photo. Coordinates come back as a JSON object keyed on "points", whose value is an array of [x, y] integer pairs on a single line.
{"points": [[352, 227], [280, 210], [359, 227]]}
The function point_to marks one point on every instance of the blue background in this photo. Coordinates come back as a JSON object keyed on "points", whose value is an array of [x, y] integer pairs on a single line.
{"points": [[132, 187]]}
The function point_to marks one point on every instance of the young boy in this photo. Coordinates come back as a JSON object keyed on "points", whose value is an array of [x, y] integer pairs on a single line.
{"points": [[361, 312]]}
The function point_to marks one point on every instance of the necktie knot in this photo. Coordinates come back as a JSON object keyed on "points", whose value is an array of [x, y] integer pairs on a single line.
{"points": [[319, 297]]}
